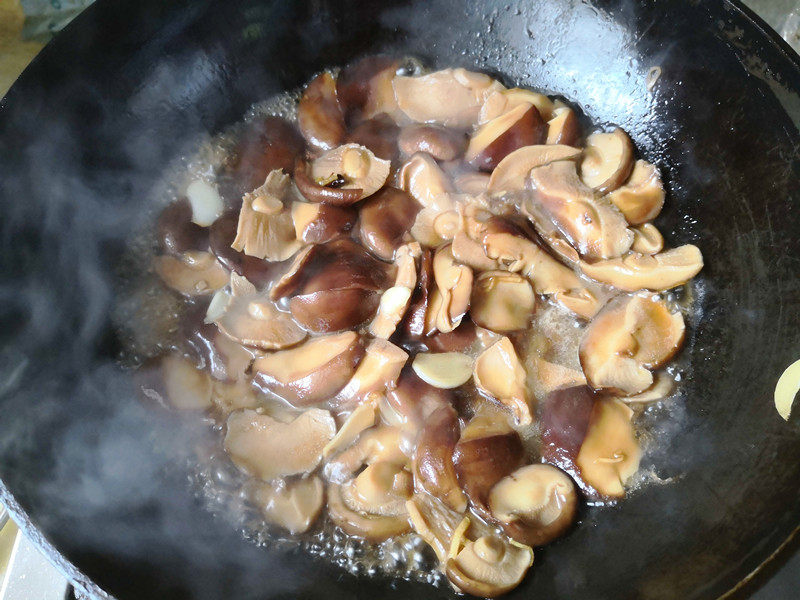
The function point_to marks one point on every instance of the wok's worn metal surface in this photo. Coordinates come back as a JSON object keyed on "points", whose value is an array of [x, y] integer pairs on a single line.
{"points": [[89, 127]]}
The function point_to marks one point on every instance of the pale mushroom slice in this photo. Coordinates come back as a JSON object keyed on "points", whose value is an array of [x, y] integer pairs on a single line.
{"points": [[359, 167], [631, 336], [494, 140], [382, 443], [590, 222], [205, 201], [642, 197], [319, 115], [610, 453], [489, 566], [647, 239], [314, 371], [535, 504], [662, 388], [501, 101], [502, 301], [450, 298], [563, 127], [662, 271], [252, 319], [549, 376], [268, 449], [293, 506], [425, 181], [186, 387], [511, 173], [372, 505], [444, 370], [437, 524], [362, 418], [265, 228], [193, 273], [607, 160], [500, 374], [228, 397], [316, 223], [379, 369], [466, 250], [450, 97], [394, 301]]}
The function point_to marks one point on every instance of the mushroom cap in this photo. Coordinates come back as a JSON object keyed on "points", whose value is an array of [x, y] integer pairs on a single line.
{"points": [[319, 115], [647, 239], [379, 134], [511, 173], [502, 301], [220, 237], [414, 399], [333, 310], [489, 566], [176, 231], [316, 223], [607, 160], [496, 139], [535, 504], [364, 88], [593, 225], [193, 273], [610, 453], [661, 271], [549, 376], [325, 191], [472, 182], [386, 219], [450, 97], [425, 181], [642, 197], [563, 127], [630, 336], [358, 165], [501, 101], [440, 142], [294, 506], [314, 371], [500, 374], [268, 449], [564, 417]]}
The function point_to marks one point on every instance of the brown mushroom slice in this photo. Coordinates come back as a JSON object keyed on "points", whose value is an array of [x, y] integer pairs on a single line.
{"points": [[413, 324], [444, 370], [379, 134], [451, 97], [432, 466], [535, 504], [252, 319], [386, 220], [192, 273], [511, 173], [220, 237], [362, 418], [564, 418], [328, 191], [319, 223], [488, 450], [440, 142], [610, 454], [647, 239], [334, 310], [265, 228], [549, 376], [319, 115], [450, 299], [185, 386], [662, 271], [502, 301], [607, 160], [364, 88], [628, 338], [314, 371], [500, 374], [520, 126], [591, 223], [489, 566], [177, 232], [268, 449], [359, 167], [413, 400], [425, 181], [563, 127], [642, 197], [502, 101], [379, 369], [293, 506]]}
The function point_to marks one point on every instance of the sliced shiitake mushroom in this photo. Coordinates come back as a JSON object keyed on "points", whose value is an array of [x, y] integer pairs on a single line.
{"points": [[502, 301], [414, 400], [610, 453], [294, 506], [467, 251], [440, 142], [450, 298], [433, 467], [535, 504], [379, 134], [356, 165], [319, 115], [607, 160], [361, 418], [489, 566], [312, 372], [395, 301], [221, 235], [642, 196], [268, 449], [520, 126], [185, 387], [193, 273], [502, 101], [549, 376], [378, 370], [176, 231], [591, 223], [563, 127], [440, 526], [386, 219], [319, 223], [450, 97], [628, 338], [488, 450], [364, 88], [378, 444], [647, 239], [472, 182], [414, 322], [564, 417], [500, 374], [634, 271], [462, 339], [511, 173], [328, 191], [425, 181]]}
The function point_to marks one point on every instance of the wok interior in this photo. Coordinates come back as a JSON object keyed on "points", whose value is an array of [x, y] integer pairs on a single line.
{"points": [[94, 470]]}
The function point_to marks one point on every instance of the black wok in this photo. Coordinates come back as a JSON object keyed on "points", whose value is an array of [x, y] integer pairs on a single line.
{"points": [[128, 86]]}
